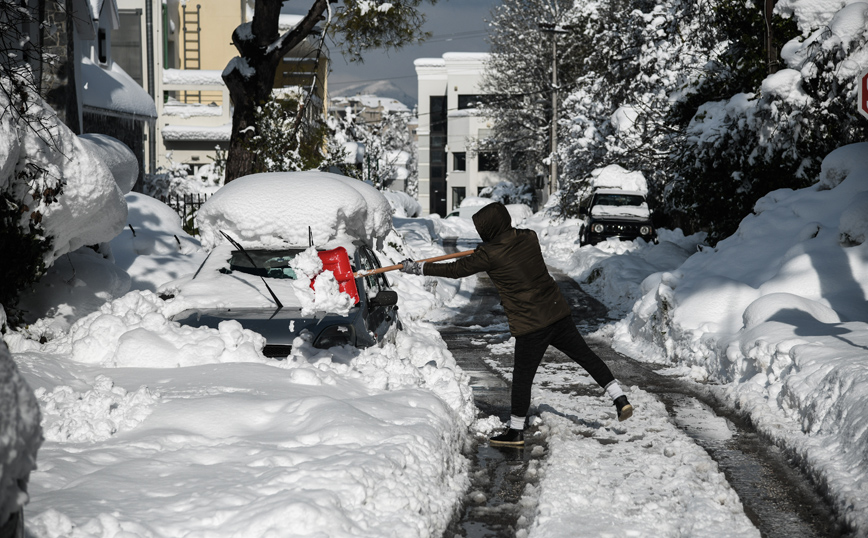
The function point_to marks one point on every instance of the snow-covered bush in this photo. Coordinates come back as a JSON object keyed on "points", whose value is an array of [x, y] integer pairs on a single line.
{"points": [[56, 195], [177, 180], [775, 134], [509, 193], [642, 60]]}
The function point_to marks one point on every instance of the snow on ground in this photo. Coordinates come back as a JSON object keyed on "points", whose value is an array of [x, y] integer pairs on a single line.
{"points": [[777, 315], [644, 477], [156, 429], [774, 317]]}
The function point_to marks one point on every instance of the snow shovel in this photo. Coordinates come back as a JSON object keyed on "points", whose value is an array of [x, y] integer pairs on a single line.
{"points": [[338, 262], [401, 265]]}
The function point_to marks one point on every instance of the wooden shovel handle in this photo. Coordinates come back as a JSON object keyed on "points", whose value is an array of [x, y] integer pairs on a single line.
{"points": [[401, 265]]}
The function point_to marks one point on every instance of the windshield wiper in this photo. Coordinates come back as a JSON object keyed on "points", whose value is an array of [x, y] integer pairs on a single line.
{"points": [[240, 248]]}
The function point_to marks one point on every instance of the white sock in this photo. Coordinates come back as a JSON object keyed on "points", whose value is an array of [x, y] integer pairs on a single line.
{"points": [[516, 423], [614, 391]]}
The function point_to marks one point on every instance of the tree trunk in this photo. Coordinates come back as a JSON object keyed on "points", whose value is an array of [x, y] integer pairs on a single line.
{"points": [[72, 117], [250, 76], [771, 50]]}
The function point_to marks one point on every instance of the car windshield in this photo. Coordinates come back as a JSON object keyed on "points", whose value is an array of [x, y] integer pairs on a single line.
{"points": [[619, 200], [268, 263]]}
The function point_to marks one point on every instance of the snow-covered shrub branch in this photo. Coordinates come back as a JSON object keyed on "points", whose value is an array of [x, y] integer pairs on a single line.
{"points": [[738, 149]]}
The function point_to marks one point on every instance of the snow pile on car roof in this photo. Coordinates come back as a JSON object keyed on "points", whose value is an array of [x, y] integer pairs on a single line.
{"points": [[275, 210], [616, 177]]}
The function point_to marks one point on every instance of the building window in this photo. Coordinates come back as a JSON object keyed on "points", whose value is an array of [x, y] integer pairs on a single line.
{"points": [[458, 196], [127, 44], [469, 101], [459, 161], [437, 141], [488, 161], [101, 48]]}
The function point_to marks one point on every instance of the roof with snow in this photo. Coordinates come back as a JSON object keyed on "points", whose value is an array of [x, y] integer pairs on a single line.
{"points": [[371, 101]]}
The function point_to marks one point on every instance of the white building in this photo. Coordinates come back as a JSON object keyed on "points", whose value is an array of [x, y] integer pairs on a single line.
{"points": [[449, 125]]}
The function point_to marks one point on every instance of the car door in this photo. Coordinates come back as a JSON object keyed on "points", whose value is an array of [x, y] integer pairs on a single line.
{"points": [[379, 318]]}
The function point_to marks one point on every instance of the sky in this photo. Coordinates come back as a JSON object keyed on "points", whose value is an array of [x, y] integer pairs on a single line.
{"points": [[455, 25]]}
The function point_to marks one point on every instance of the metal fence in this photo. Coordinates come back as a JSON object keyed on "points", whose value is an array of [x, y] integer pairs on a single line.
{"points": [[186, 206]]}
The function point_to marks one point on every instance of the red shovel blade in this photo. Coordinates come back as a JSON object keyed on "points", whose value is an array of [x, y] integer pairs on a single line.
{"points": [[338, 262]]}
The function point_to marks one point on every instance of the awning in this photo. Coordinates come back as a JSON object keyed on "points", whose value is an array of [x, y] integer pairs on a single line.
{"points": [[112, 92]]}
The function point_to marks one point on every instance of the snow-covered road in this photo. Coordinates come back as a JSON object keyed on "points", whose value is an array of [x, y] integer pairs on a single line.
{"points": [[654, 475]]}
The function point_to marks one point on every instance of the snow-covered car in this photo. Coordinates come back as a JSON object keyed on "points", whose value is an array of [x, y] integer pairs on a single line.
{"points": [[615, 205], [236, 272], [269, 237], [617, 213]]}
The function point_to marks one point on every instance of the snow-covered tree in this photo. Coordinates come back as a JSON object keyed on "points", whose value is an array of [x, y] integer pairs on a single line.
{"points": [[518, 79], [381, 152], [355, 25], [642, 59], [775, 130]]}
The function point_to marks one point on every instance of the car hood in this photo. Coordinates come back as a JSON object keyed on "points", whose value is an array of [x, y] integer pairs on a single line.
{"points": [[279, 327]]}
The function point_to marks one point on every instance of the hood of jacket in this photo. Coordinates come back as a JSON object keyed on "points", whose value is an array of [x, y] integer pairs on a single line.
{"points": [[492, 220]]}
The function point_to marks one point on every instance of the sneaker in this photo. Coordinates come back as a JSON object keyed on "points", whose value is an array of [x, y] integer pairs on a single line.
{"points": [[623, 408], [511, 437]]}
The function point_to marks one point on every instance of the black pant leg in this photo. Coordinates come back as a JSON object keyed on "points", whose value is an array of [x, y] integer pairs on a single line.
{"points": [[567, 339], [529, 351]]}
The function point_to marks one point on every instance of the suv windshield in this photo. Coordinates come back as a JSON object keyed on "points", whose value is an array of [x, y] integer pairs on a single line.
{"points": [[268, 263], [619, 199]]}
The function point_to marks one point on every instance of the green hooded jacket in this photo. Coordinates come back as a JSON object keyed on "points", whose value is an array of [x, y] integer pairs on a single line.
{"points": [[513, 260]]}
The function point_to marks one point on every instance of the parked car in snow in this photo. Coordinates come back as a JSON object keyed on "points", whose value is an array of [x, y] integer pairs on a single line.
{"points": [[615, 205], [616, 213], [370, 321], [262, 231]]}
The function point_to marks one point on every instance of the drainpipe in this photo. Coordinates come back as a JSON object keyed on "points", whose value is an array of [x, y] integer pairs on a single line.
{"points": [[152, 142]]}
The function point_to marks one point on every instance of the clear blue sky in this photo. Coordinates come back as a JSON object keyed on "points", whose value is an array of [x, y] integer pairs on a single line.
{"points": [[456, 25]]}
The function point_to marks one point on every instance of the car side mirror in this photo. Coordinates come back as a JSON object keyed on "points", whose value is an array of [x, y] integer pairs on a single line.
{"points": [[385, 298]]}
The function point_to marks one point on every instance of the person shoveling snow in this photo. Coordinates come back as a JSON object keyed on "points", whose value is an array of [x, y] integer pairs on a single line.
{"points": [[538, 313]]}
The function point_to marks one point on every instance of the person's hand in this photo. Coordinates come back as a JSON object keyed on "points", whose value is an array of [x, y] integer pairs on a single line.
{"points": [[412, 268]]}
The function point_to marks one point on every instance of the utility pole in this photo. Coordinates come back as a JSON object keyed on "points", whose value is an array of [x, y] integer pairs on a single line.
{"points": [[554, 30], [771, 52]]}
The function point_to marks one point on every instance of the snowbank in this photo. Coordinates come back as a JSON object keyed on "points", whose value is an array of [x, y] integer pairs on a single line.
{"points": [[776, 313], [403, 205], [212, 438], [154, 248], [277, 209], [117, 156]]}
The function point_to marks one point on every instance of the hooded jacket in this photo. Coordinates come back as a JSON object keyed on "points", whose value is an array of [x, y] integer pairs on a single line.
{"points": [[513, 260]]}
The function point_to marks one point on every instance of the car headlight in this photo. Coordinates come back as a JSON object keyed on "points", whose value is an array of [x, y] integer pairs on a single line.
{"points": [[598, 228], [645, 230], [336, 335]]}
